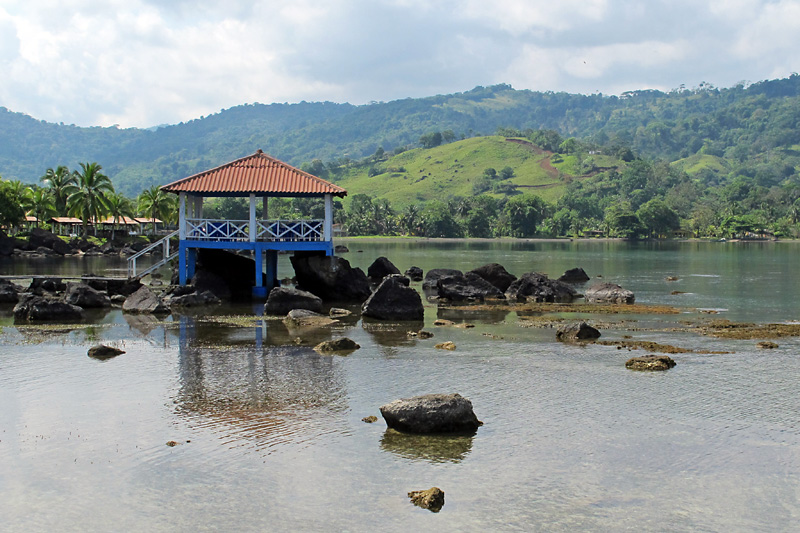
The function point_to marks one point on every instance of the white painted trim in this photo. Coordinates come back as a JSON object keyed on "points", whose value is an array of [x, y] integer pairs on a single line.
{"points": [[182, 215], [327, 231]]}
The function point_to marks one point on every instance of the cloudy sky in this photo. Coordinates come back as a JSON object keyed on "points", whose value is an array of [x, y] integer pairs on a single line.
{"points": [[147, 62]]}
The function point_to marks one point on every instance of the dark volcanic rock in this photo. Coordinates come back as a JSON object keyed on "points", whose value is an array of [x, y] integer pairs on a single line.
{"points": [[84, 296], [43, 238], [394, 300], [41, 308], [577, 332], [414, 273], [650, 362], [205, 280], [123, 287], [281, 300], [469, 286], [330, 277], [144, 301], [380, 268], [101, 351], [236, 271], [39, 286], [431, 499], [574, 275], [7, 245], [9, 292], [496, 274], [609, 293], [431, 413], [340, 249], [433, 276], [539, 288]]}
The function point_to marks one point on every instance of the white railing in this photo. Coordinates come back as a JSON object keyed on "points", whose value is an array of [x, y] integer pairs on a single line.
{"points": [[205, 229], [290, 230], [165, 256]]}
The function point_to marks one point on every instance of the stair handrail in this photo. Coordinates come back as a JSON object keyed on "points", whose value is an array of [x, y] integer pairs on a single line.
{"points": [[166, 256]]}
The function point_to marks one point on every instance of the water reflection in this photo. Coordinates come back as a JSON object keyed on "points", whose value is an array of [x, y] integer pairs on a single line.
{"points": [[486, 315], [392, 334], [432, 448], [253, 393]]}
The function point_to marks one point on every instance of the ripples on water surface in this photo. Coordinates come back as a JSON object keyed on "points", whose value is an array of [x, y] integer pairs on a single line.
{"points": [[270, 435]]}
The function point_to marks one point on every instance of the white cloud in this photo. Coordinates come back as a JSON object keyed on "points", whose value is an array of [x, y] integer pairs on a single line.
{"points": [[145, 62]]}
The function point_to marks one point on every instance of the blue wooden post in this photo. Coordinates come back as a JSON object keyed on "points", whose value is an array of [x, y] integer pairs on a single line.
{"points": [[272, 268], [182, 263]]}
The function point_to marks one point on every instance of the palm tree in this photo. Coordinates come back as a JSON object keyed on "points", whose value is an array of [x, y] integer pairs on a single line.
{"points": [[59, 181], [87, 198], [41, 204], [155, 203], [118, 207]]}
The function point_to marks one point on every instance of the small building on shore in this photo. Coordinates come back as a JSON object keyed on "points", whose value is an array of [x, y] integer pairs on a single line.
{"points": [[255, 177]]}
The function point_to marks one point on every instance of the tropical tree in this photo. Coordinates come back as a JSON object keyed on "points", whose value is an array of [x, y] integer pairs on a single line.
{"points": [[11, 212], [87, 198], [155, 203], [523, 214], [59, 182], [118, 207], [657, 217], [41, 204]]}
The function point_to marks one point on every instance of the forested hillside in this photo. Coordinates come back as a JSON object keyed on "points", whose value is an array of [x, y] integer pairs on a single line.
{"points": [[713, 161]]}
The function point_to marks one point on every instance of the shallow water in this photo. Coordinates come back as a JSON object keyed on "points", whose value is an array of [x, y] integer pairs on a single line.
{"points": [[270, 434]]}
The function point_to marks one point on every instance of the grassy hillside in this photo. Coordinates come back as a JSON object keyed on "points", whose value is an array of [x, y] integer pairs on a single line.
{"points": [[458, 170]]}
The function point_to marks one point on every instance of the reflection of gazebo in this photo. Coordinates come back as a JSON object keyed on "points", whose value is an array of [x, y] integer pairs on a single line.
{"points": [[252, 177]]}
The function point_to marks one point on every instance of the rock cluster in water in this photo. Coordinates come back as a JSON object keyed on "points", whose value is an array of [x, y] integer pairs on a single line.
{"points": [[431, 413]]}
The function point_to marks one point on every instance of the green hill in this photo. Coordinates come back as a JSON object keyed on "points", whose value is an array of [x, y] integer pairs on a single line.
{"points": [[457, 170]]}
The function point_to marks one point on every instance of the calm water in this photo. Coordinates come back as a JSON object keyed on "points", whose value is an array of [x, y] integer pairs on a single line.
{"points": [[271, 438]]}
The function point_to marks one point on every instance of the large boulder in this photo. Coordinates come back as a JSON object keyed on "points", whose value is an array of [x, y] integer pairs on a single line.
{"points": [[434, 275], [83, 295], [577, 332], [237, 272], [574, 275], [205, 280], [393, 299], [539, 288], [46, 239], [145, 301], [40, 308], [123, 287], [330, 277], [431, 413], [467, 287], [7, 245], [496, 274], [281, 300], [609, 293], [380, 268]]}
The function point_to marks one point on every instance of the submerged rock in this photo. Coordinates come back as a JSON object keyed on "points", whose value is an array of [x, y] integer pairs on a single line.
{"points": [[431, 413], [193, 299], [281, 300], [371, 419], [577, 332], [447, 345], [431, 499], [394, 300], [496, 274], [342, 344], [650, 362], [609, 293], [101, 351], [766, 345], [306, 318]]}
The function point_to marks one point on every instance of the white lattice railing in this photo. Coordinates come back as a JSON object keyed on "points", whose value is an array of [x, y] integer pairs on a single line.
{"points": [[204, 229]]}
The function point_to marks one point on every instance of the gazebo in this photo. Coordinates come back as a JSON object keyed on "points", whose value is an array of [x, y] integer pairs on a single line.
{"points": [[255, 176]]}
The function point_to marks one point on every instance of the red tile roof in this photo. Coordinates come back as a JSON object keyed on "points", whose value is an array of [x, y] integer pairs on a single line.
{"points": [[259, 174]]}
